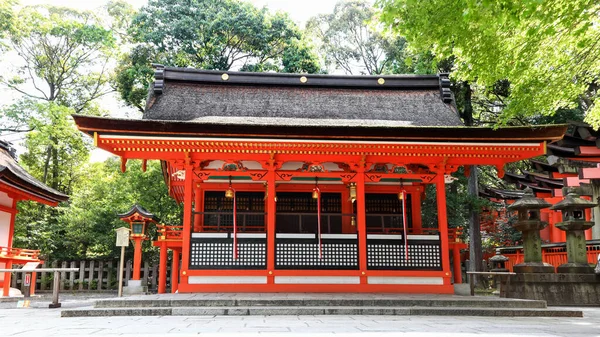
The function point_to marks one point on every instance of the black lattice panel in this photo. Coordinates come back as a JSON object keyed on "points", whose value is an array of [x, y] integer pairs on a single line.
{"points": [[390, 255], [217, 253], [304, 254]]}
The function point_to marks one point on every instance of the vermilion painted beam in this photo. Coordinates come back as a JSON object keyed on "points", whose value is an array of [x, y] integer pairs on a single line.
{"points": [[575, 181], [587, 151], [589, 173]]}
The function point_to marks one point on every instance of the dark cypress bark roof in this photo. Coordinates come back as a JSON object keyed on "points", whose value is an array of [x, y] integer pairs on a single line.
{"points": [[216, 97], [13, 175]]}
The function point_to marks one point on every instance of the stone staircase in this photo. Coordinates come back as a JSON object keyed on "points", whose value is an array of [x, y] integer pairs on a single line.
{"points": [[317, 304]]}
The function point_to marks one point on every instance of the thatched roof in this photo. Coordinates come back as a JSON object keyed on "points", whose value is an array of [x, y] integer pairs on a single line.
{"points": [[214, 97]]}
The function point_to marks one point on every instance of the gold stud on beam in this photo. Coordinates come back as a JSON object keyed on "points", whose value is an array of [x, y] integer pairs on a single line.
{"points": [[381, 81], [225, 77], [303, 79]]}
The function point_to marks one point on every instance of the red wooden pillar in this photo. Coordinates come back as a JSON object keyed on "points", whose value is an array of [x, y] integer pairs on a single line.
{"points": [[6, 282], [346, 209], [588, 217], [175, 271], [457, 269], [361, 224], [271, 225], [187, 220], [556, 233], [443, 225], [162, 269], [416, 210], [198, 208], [137, 257], [11, 230], [545, 233], [33, 282]]}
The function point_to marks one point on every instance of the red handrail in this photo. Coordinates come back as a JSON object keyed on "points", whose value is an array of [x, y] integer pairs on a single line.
{"points": [[19, 254]]}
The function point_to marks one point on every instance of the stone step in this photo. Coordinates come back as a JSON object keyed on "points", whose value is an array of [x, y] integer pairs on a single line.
{"points": [[477, 302], [321, 310]]}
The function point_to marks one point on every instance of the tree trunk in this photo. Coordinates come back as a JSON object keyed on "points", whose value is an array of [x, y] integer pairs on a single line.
{"points": [[47, 164], [475, 251]]}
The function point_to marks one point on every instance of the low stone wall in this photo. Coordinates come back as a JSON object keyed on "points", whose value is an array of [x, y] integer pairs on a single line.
{"points": [[555, 289]]}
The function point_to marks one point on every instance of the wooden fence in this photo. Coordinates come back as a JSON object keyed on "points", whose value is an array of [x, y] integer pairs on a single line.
{"points": [[93, 275], [552, 255]]}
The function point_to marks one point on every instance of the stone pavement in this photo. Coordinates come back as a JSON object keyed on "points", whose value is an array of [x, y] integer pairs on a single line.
{"points": [[40, 322]]}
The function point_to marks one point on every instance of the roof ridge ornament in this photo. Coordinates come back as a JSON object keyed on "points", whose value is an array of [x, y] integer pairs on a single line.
{"points": [[445, 91], [159, 78], [7, 146]]}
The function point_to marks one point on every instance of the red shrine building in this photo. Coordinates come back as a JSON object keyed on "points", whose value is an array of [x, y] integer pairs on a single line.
{"points": [[18, 185], [308, 183]]}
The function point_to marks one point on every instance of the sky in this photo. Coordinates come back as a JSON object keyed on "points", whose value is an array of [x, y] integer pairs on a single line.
{"points": [[299, 10]]}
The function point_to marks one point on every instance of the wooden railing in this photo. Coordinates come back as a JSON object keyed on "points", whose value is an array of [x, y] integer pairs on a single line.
{"points": [[19, 254], [169, 233]]}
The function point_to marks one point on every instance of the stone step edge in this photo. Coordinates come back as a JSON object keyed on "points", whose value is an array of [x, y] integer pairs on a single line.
{"points": [[279, 311], [126, 303]]}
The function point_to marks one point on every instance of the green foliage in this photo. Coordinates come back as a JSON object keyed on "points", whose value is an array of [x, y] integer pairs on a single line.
{"points": [[92, 218], [210, 34], [547, 50], [64, 53], [352, 39]]}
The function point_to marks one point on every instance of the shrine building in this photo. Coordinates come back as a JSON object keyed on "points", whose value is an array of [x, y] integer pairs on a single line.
{"points": [[18, 185], [308, 183]]}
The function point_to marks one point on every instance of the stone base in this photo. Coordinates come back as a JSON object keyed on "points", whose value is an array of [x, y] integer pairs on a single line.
{"points": [[533, 267], [575, 268], [135, 287], [555, 289], [462, 289]]}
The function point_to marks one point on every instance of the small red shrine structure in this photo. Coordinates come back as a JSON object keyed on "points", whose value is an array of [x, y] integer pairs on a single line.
{"points": [[307, 183], [17, 185]]}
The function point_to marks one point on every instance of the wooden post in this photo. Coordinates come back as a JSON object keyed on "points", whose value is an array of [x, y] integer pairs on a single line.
{"points": [[197, 218], [162, 269], [81, 274], [188, 195], [55, 290], [109, 274], [457, 268], [91, 274], [137, 258], [6, 284], [443, 224], [63, 275], [100, 275], [33, 283], [271, 225], [120, 291], [361, 223], [72, 276], [175, 271]]}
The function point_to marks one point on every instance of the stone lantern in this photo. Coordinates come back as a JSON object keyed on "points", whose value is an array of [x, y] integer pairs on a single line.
{"points": [[498, 262], [574, 224], [138, 219], [530, 223]]}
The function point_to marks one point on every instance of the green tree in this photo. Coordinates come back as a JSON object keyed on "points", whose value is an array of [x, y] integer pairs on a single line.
{"points": [[546, 50], [209, 34], [353, 40], [64, 56]]}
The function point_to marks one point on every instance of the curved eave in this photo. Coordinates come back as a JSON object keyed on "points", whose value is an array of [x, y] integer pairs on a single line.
{"points": [[17, 184], [545, 133], [139, 210]]}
